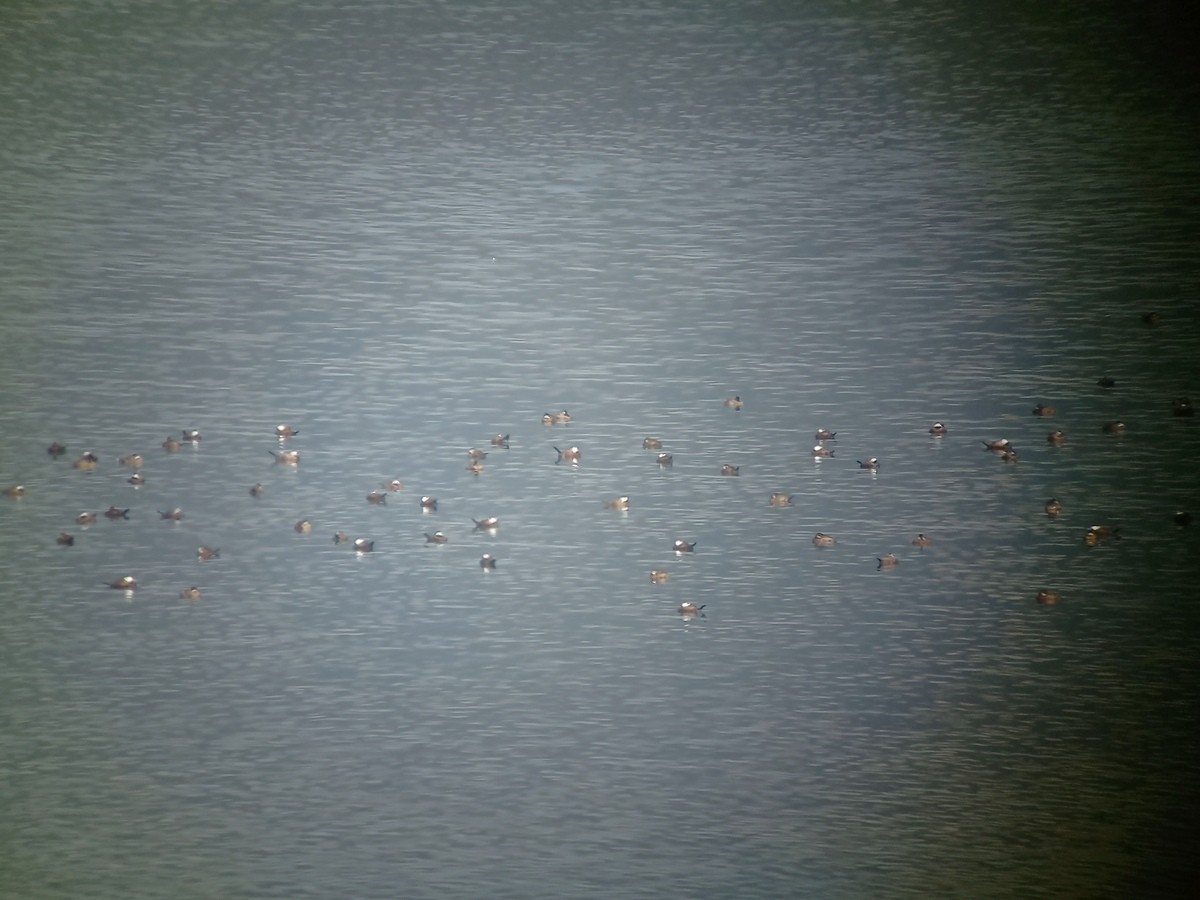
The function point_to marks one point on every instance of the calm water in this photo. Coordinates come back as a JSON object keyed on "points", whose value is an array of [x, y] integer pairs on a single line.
{"points": [[406, 227]]}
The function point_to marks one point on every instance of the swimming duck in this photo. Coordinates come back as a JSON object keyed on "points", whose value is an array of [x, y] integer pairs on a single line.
{"points": [[1098, 533], [491, 523], [500, 440], [938, 429], [1009, 455], [85, 519], [888, 561], [15, 490], [428, 504], [728, 469], [436, 538], [666, 459], [658, 577], [133, 460], [824, 434], [192, 593], [1151, 318], [304, 526], [780, 499], [87, 462], [340, 537], [922, 540], [1114, 427], [174, 515], [1056, 438], [65, 540], [283, 432], [257, 490], [377, 497], [393, 486], [137, 479], [558, 418], [999, 445], [821, 452], [821, 539], [113, 513], [56, 449], [286, 457], [682, 546], [1043, 410], [1182, 519], [126, 583], [651, 444], [872, 463], [208, 552], [487, 562], [734, 402], [475, 454], [474, 467], [1182, 407], [171, 445], [1048, 598], [1107, 382], [617, 503], [571, 454], [1053, 508], [687, 609], [191, 434], [362, 545]]}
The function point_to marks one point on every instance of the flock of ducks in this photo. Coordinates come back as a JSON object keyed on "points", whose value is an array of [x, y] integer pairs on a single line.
{"points": [[1001, 447]]}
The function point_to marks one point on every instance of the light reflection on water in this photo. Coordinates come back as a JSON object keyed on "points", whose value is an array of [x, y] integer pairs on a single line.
{"points": [[401, 283]]}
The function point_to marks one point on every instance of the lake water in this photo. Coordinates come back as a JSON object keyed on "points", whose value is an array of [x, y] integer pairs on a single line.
{"points": [[405, 227]]}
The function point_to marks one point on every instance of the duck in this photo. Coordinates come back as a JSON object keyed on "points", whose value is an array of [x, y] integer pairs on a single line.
{"points": [[872, 463], [500, 440], [125, 583], [362, 545], [1182, 519], [191, 593], [487, 562], [1048, 598], [665, 460], [15, 490], [137, 479], [436, 538], [491, 523], [171, 445], [1114, 428], [682, 546], [1152, 318], [133, 460], [474, 467], [174, 515], [657, 576], [651, 443], [476, 455], [65, 540], [1009, 455], [1182, 407], [571, 454], [1053, 508], [820, 452], [922, 540], [1056, 438], [887, 561], [428, 504], [733, 402], [559, 418], [1107, 382], [56, 450], [821, 539], [1043, 410], [780, 499], [113, 513], [824, 434], [340, 537], [938, 429], [729, 469], [283, 432], [85, 519], [257, 490], [1098, 533], [87, 462], [377, 497], [208, 552], [621, 503], [688, 609], [304, 526], [286, 457], [999, 445], [393, 486], [191, 434]]}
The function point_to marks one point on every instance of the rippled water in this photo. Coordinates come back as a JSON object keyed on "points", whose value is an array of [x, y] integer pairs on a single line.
{"points": [[404, 228]]}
